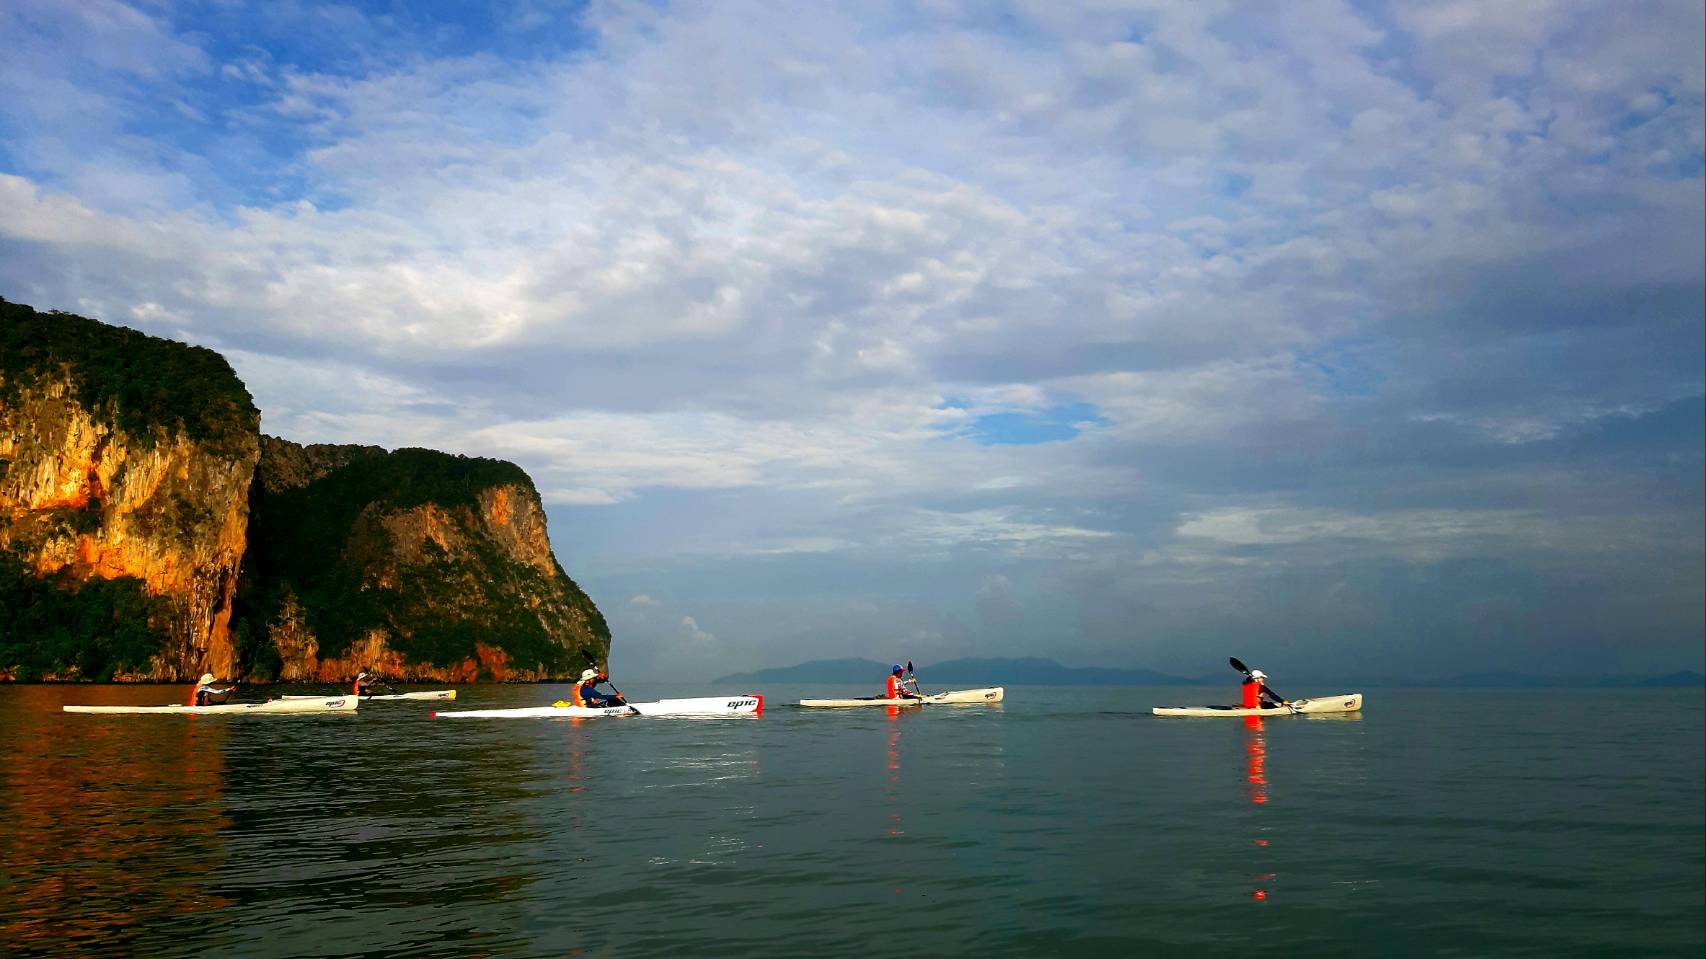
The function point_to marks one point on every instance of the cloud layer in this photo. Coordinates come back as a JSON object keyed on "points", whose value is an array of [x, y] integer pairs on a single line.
{"points": [[1352, 337]]}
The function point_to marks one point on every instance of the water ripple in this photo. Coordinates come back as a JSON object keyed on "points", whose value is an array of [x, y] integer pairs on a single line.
{"points": [[1064, 821]]}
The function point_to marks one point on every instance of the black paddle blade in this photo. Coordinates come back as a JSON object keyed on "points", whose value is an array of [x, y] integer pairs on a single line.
{"points": [[909, 665], [1238, 665]]}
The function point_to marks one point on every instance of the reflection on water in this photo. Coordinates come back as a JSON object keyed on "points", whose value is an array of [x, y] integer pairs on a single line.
{"points": [[135, 810], [891, 773], [1256, 778], [1064, 822], [1257, 748]]}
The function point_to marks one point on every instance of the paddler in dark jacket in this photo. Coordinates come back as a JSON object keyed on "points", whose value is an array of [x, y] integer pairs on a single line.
{"points": [[206, 694], [1257, 695], [367, 684], [586, 691]]}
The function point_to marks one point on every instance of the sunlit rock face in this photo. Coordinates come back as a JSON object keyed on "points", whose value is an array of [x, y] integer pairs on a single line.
{"points": [[148, 532], [415, 564], [89, 490]]}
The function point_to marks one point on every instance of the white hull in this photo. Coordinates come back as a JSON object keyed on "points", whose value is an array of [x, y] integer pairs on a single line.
{"points": [[435, 694], [1348, 703], [993, 694], [708, 706], [317, 704]]}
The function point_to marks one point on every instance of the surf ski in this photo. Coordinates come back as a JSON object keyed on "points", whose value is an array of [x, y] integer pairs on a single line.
{"points": [[992, 694], [314, 704], [1348, 703], [439, 694], [747, 705]]}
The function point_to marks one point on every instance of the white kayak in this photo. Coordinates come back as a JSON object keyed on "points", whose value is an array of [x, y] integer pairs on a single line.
{"points": [[434, 694], [708, 706], [316, 704], [1348, 703], [992, 694]]}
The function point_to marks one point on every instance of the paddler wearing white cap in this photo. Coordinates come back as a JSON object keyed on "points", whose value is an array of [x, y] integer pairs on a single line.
{"points": [[1257, 695], [585, 692], [206, 693], [366, 683]]}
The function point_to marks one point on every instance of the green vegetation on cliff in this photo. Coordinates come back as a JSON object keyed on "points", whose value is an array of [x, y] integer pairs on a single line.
{"points": [[75, 624], [326, 544], [134, 382], [60, 627], [441, 558]]}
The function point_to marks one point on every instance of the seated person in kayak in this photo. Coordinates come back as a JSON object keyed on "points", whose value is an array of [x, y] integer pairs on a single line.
{"points": [[367, 684], [1258, 695], [207, 694], [897, 686], [586, 691]]}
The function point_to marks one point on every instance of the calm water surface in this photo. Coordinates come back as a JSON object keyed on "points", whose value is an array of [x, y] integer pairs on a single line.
{"points": [[1067, 821]]}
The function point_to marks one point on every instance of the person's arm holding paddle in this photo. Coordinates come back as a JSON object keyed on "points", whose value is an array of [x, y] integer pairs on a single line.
{"points": [[208, 693], [1267, 697], [598, 675], [896, 687], [1257, 695]]}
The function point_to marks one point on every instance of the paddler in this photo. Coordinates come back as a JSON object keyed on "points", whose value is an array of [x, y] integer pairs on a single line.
{"points": [[207, 694], [366, 684], [897, 686], [585, 692], [1257, 695]]}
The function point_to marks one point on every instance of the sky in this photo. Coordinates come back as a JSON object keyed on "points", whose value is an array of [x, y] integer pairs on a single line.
{"points": [[1345, 338]]}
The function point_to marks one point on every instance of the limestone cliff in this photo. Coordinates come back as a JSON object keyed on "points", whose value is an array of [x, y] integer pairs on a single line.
{"points": [[125, 465], [148, 532], [416, 563]]}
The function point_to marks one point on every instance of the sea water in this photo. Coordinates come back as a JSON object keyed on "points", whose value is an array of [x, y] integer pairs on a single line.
{"points": [[1061, 822]]}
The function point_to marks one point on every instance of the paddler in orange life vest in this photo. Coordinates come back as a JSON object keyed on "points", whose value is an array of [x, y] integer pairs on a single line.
{"points": [[206, 694], [586, 691], [897, 686], [1257, 695]]}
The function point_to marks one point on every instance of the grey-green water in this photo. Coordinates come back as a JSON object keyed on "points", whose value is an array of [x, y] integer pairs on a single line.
{"points": [[1065, 822]]}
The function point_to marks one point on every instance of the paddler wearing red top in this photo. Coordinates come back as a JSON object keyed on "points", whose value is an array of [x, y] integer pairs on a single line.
{"points": [[1257, 695], [206, 693], [897, 686]]}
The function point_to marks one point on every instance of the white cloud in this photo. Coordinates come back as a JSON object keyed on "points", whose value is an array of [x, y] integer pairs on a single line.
{"points": [[691, 632], [785, 273]]}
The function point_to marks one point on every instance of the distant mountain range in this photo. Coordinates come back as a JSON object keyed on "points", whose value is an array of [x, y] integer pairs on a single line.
{"points": [[1037, 671], [1679, 679], [1029, 671]]}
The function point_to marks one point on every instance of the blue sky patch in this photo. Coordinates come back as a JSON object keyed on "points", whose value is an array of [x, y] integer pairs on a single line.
{"points": [[1030, 427], [1349, 367]]}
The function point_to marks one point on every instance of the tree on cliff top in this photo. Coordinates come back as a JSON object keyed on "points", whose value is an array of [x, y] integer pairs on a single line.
{"points": [[138, 384]]}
